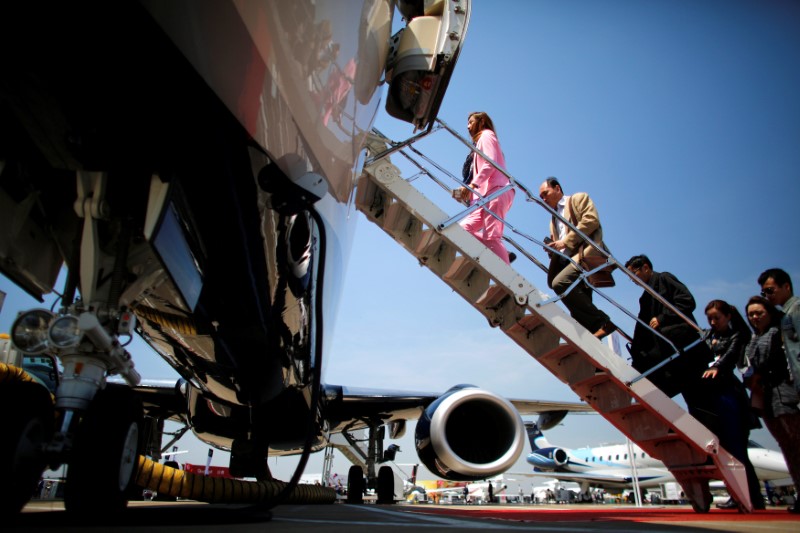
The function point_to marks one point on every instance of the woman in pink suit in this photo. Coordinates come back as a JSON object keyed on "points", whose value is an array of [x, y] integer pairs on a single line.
{"points": [[486, 179]]}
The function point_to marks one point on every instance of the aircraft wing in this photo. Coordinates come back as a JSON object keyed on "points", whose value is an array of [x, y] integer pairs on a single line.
{"points": [[349, 405], [533, 407], [608, 478]]}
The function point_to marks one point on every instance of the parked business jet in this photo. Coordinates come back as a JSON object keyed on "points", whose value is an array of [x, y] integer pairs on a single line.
{"points": [[613, 466], [192, 166]]}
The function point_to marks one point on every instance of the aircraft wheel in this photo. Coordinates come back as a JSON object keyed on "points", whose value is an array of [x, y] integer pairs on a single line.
{"points": [[28, 421], [355, 485], [102, 471], [385, 485]]}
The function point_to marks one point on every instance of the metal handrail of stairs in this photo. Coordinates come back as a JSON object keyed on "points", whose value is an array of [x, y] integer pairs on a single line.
{"points": [[531, 317]]}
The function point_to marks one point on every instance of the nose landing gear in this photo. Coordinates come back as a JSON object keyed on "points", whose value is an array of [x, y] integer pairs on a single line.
{"points": [[101, 472]]}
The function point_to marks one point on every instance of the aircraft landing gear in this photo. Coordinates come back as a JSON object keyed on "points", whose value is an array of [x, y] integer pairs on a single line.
{"points": [[355, 485], [385, 488], [101, 472], [28, 422]]}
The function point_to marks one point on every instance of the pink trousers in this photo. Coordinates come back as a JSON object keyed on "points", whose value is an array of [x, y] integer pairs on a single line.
{"points": [[486, 228]]}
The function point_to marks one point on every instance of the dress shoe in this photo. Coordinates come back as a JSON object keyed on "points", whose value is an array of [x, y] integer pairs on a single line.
{"points": [[730, 504], [607, 329], [794, 509]]}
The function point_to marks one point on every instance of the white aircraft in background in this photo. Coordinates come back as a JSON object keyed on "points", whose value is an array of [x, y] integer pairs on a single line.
{"points": [[613, 466], [477, 492]]}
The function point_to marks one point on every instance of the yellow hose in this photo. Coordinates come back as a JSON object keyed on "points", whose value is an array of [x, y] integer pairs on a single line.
{"points": [[9, 373], [13, 373], [179, 484]]}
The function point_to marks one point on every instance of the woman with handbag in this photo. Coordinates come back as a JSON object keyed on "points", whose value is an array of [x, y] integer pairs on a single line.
{"points": [[484, 178], [773, 396], [727, 338]]}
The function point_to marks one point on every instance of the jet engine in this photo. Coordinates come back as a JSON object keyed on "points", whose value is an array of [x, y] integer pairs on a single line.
{"points": [[548, 458], [469, 434]]}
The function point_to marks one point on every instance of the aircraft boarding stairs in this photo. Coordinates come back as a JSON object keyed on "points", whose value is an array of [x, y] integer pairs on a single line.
{"points": [[536, 323]]}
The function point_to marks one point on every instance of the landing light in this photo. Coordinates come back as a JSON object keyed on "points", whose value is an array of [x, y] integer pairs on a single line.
{"points": [[65, 333], [29, 331]]}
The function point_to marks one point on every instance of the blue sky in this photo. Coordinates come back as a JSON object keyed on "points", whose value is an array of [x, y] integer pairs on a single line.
{"points": [[680, 118]]}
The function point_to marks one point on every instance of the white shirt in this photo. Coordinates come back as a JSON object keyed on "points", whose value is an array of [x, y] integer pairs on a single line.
{"points": [[560, 226]]}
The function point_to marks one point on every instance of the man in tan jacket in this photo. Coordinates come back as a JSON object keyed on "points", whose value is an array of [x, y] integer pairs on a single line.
{"points": [[581, 212]]}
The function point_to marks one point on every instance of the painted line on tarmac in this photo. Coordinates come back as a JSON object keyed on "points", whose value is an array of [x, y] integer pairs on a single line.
{"points": [[419, 520]]}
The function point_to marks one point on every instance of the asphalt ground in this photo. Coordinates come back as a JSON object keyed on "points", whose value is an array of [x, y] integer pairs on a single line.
{"points": [[335, 518]]}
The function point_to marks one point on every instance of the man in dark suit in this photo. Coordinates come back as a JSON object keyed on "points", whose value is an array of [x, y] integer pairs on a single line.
{"points": [[682, 375]]}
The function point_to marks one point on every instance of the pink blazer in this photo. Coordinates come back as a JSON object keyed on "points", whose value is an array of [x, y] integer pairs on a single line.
{"points": [[485, 176]]}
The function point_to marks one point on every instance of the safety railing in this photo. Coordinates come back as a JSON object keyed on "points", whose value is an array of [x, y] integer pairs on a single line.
{"points": [[448, 182]]}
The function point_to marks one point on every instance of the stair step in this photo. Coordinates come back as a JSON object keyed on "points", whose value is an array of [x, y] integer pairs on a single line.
{"points": [[494, 296], [605, 394], [396, 218], [695, 471], [430, 244], [531, 333], [526, 325], [675, 452], [461, 269], [370, 199]]}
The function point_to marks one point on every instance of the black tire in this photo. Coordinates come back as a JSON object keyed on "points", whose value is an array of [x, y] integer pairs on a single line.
{"points": [[102, 469], [385, 485], [355, 485], [27, 420]]}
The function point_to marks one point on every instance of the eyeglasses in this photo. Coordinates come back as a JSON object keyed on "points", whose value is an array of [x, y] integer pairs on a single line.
{"points": [[766, 291]]}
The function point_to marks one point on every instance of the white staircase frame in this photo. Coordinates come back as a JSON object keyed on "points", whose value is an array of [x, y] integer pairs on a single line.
{"points": [[532, 319]]}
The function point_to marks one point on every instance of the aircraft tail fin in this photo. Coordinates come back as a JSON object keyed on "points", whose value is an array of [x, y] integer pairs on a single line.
{"points": [[535, 436]]}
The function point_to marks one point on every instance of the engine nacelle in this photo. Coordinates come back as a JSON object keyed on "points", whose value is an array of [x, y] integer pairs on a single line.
{"points": [[469, 434], [548, 458]]}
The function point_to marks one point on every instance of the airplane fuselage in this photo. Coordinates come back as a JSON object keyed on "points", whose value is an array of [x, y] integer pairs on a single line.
{"points": [[216, 153], [617, 462]]}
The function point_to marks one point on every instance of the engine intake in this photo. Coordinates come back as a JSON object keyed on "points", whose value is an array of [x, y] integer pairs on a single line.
{"points": [[548, 458], [469, 434]]}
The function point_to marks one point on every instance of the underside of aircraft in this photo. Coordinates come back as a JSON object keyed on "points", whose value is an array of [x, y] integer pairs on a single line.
{"points": [[190, 165]]}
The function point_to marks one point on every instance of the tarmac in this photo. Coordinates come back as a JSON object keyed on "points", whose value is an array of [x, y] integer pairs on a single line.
{"points": [[196, 517]]}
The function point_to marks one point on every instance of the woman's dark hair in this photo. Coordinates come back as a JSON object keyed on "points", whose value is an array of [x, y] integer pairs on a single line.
{"points": [[737, 323], [484, 123], [774, 315]]}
